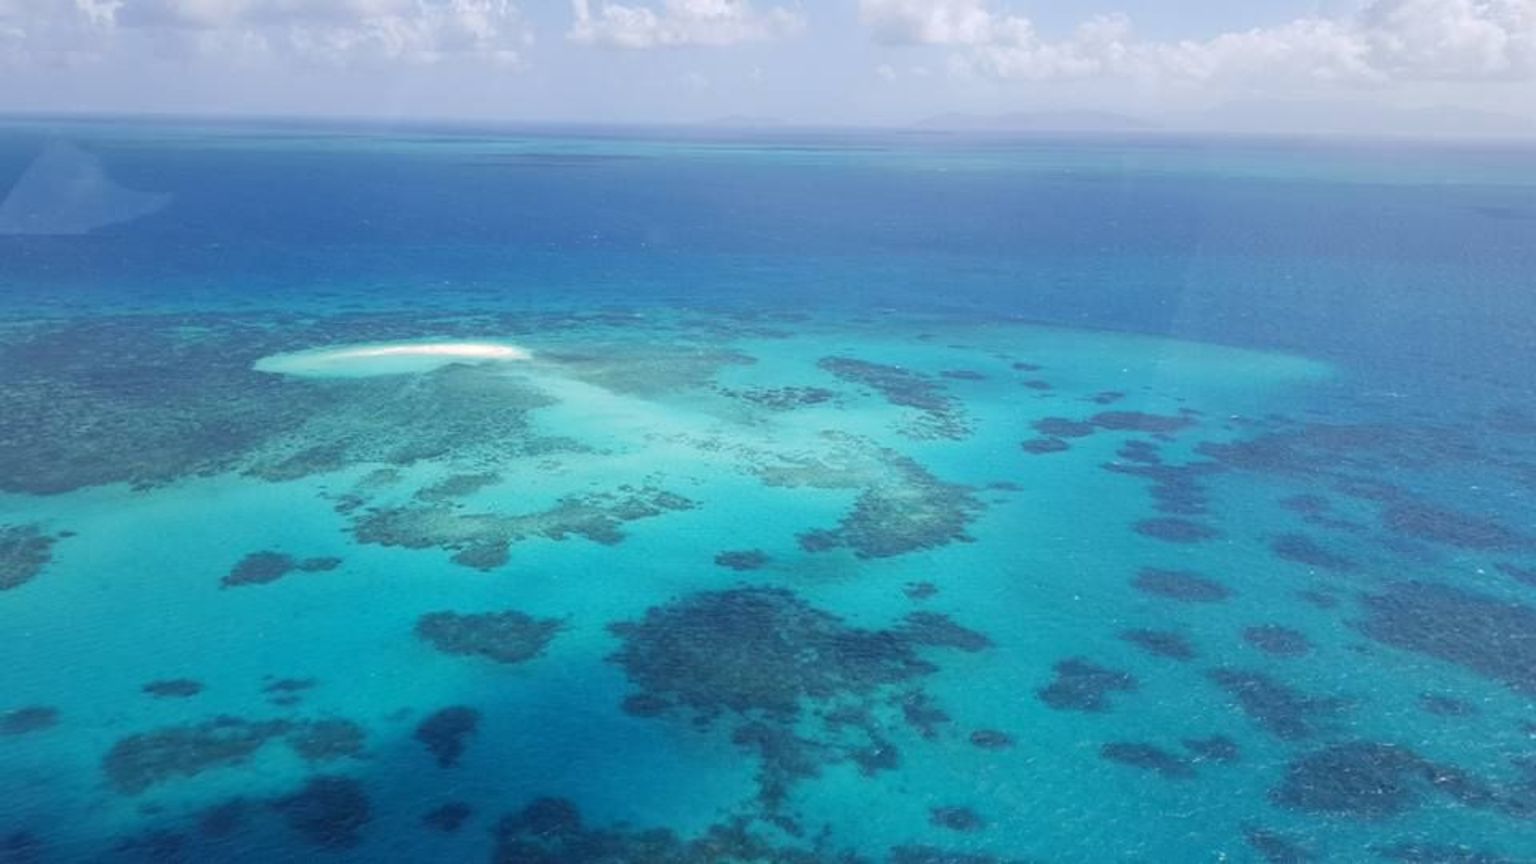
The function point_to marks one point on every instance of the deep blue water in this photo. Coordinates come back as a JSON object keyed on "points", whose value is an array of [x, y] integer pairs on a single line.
{"points": [[867, 497]]}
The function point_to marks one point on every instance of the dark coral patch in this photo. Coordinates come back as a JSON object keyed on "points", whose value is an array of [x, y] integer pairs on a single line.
{"points": [[1320, 599], [1107, 397], [743, 559], [941, 415], [1276, 640], [34, 718], [1161, 643], [1304, 550], [140, 761], [939, 630], [1186, 586], [962, 375], [173, 688], [1446, 706], [1061, 427], [920, 590], [1141, 452], [551, 831], [922, 713], [1147, 757], [1275, 848], [782, 398], [1216, 748], [1491, 637], [1439, 853], [1137, 421], [1043, 446], [962, 819], [24, 551], [320, 741], [1082, 685], [1284, 712], [137, 762], [445, 733], [261, 568], [1175, 530], [329, 812], [1039, 384], [1367, 780], [1523, 575], [1462, 530], [448, 818], [991, 739], [505, 637], [757, 650], [222, 820], [458, 486]]}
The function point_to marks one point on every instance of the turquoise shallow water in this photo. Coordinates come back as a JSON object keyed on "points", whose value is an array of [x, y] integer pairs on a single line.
{"points": [[1089, 535]]}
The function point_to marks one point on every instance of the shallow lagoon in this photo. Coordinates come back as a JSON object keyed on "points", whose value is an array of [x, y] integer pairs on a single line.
{"points": [[856, 578]]}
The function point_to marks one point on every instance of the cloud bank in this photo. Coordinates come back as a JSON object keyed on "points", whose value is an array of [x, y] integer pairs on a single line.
{"points": [[1384, 41], [679, 23]]}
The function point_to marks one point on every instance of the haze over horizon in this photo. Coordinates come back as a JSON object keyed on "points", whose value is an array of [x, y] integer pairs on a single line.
{"points": [[1434, 67]]}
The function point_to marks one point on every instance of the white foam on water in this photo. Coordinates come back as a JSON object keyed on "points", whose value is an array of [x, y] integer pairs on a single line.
{"points": [[392, 358]]}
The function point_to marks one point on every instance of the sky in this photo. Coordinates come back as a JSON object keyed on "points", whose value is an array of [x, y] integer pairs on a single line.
{"points": [[1401, 65]]}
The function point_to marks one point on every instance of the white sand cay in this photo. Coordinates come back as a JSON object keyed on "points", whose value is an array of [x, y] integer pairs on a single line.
{"points": [[394, 358]]}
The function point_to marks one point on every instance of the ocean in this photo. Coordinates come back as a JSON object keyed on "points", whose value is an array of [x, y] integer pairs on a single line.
{"points": [[665, 495]]}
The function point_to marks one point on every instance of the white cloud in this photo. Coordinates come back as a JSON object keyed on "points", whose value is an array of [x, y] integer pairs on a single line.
{"points": [[679, 22], [1383, 41], [330, 31]]}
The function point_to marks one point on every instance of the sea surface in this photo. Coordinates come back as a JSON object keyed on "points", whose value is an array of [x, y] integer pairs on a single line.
{"points": [[780, 496]]}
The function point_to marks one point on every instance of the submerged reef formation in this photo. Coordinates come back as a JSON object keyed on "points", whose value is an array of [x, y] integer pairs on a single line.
{"points": [[34, 718], [329, 812], [445, 733], [743, 559], [1370, 781], [939, 416], [1185, 586], [261, 568], [762, 658], [173, 688], [505, 637], [1082, 685], [146, 759], [1161, 643], [1281, 710], [781, 398], [1485, 635], [551, 831], [1277, 641], [1304, 550], [902, 507], [482, 540], [24, 551], [1148, 757], [1175, 530]]}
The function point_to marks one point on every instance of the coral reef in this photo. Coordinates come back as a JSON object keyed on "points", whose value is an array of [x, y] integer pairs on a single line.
{"points": [[940, 416], [1277, 641], [24, 551], [1488, 636], [1147, 757], [1282, 711], [1161, 643], [34, 718], [481, 540], [743, 559], [173, 688], [329, 812], [146, 759], [505, 637], [261, 568], [1186, 586], [1174, 530], [444, 733], [1082, 685]]}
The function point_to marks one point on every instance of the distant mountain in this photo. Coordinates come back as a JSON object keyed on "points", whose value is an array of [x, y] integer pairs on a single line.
{"points": [[744, 121], [1365, 119], [1038, 121]]}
